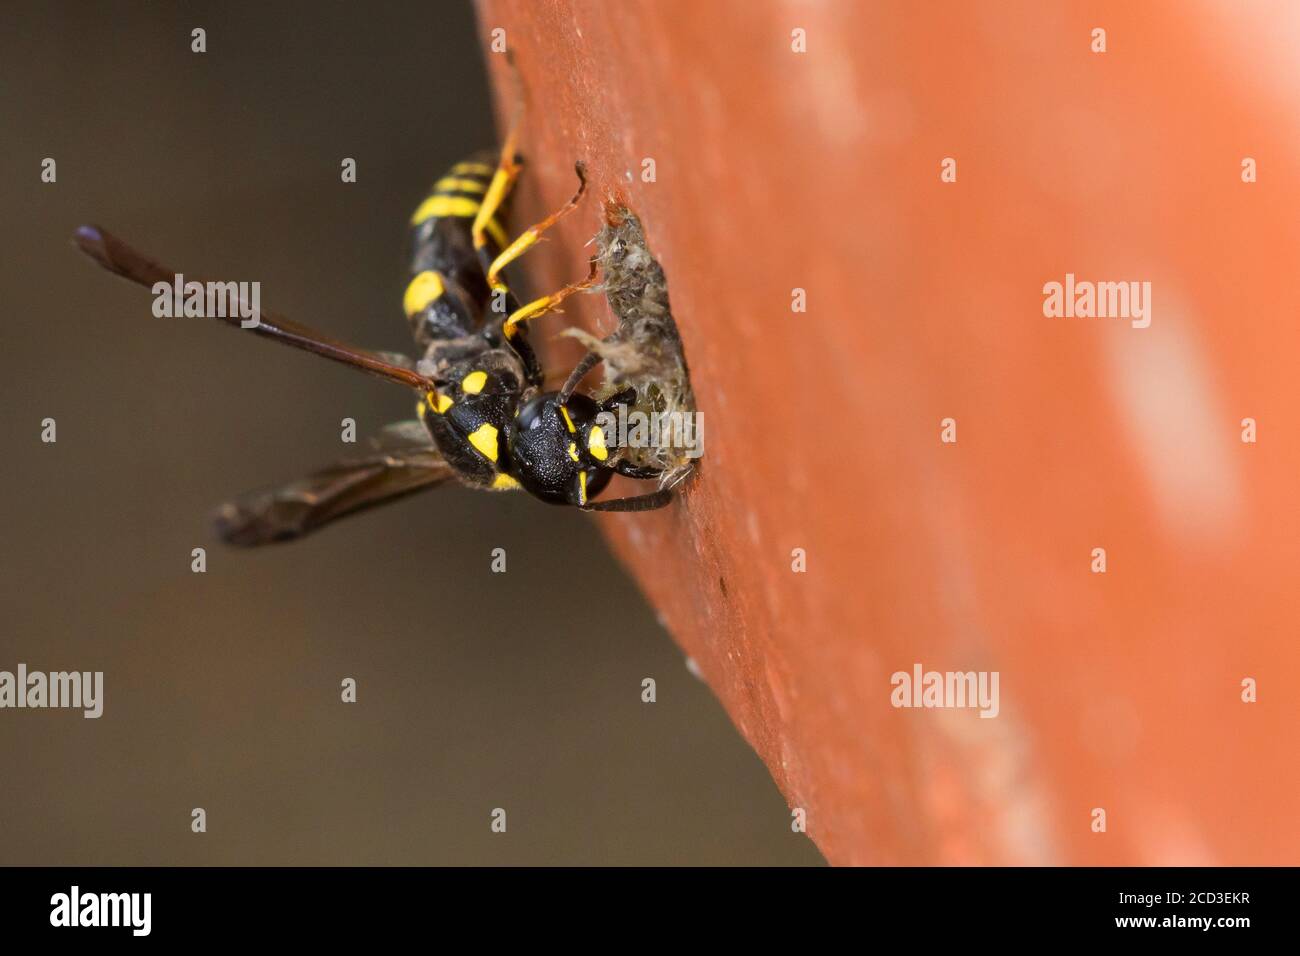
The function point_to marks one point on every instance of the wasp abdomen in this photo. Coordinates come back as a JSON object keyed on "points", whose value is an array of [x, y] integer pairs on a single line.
{"points": [[448, 291]]}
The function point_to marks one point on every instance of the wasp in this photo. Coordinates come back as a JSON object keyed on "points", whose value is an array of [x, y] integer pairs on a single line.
{"points": [[484, 416]]}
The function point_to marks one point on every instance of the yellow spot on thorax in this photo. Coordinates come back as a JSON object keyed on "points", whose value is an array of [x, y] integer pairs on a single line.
{"points": [[567, 420], [424, 288], [473, 383], [484, 438], [582, 487], [504, 482], [596, 443], [573, 451]]}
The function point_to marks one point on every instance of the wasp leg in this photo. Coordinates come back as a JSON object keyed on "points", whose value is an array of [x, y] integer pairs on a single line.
{"points": [[532, 366], [547, 303], [649, 502], [533, 233], [503, 180], [533, 372], [509, 164], [637, 471], [625, 397]]}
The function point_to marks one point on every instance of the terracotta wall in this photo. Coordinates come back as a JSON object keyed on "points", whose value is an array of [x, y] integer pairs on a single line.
{"points": [[821, 170]]}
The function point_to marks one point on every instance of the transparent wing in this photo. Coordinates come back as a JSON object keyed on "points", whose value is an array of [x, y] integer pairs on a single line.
{"points": [[408, 436]]}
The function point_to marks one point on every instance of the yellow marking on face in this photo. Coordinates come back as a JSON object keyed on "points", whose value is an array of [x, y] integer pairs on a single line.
{"points": [[596, 443], [436, 205], [473, 169], [424, 288], [484, 438], [582, 487], [567, 420], [438, 402], [473, 383], [504, 482], [451, 184], [573, 451]]}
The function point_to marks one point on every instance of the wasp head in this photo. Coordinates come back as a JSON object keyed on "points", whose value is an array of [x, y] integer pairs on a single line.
{"points": [[557, 451]]}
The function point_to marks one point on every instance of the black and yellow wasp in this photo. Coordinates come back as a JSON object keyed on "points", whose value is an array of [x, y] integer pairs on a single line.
{"points": [[484, 417]]}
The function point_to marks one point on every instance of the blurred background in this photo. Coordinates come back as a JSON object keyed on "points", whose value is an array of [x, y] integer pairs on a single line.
{"points": [[222, 690]]}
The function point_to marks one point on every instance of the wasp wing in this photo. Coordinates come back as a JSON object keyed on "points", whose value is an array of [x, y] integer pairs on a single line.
{"points": [[408, 436], [406, 462]]}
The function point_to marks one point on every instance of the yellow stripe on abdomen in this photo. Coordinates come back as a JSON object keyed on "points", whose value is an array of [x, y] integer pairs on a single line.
{"points": [[462, 207], [457, 184], [473, 169], [440, 205]]}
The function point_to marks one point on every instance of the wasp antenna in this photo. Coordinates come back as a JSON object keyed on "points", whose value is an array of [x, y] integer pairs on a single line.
{"points": [[589, 361], [121, 259], [117, 257]]}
